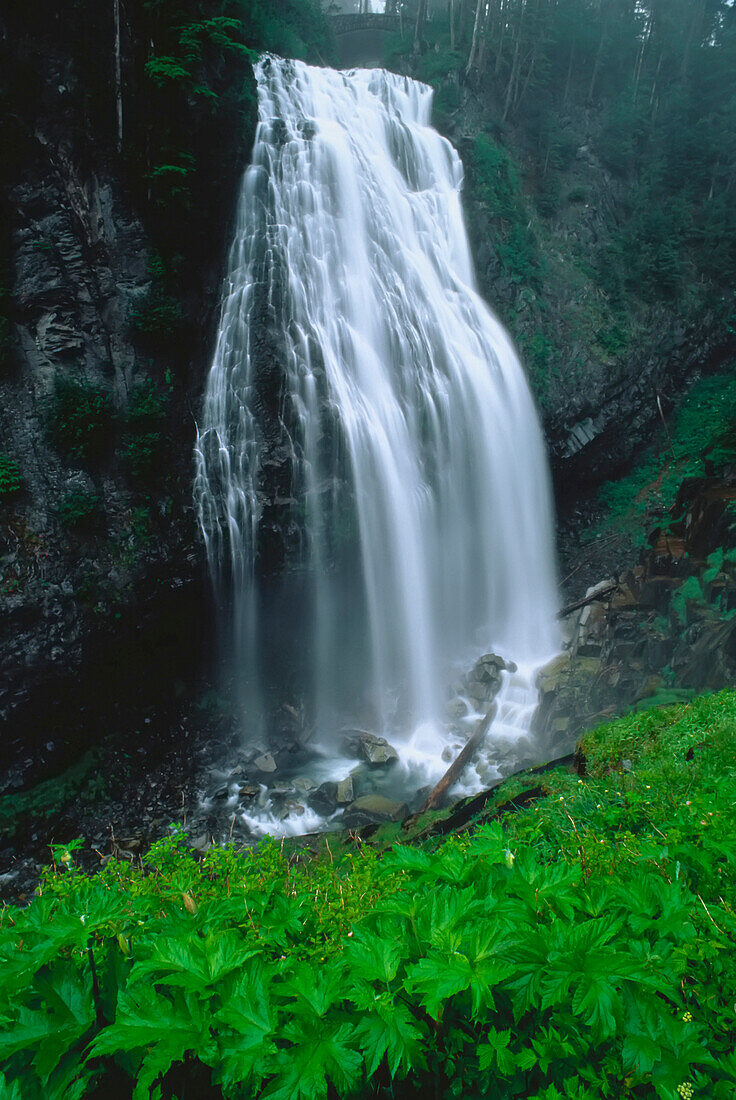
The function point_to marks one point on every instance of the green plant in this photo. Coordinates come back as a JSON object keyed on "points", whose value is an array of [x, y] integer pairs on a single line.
{"points": [[701, 431], [576, 949], [495, 183], [156, 317], [80, 509], [80, 420], [142, 442], [10, 481]]}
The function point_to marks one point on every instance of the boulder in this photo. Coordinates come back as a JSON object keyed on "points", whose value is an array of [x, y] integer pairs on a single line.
{"points": [[265, 763], [345, 791], [374, 809], [369, 747], [324, 800], [456, 708]]}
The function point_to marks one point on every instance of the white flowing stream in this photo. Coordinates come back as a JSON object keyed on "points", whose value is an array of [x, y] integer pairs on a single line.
{"points": [[418, 484]]}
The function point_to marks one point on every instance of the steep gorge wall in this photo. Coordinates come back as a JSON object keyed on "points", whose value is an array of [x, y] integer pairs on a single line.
{"points": [[103, 599]]}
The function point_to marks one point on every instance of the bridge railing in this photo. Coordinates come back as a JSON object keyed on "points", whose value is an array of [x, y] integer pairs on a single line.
{"points": [[345, 23]]}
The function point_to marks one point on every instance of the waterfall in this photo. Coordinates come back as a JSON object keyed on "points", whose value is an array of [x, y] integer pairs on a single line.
{"points": [[371, 479]]}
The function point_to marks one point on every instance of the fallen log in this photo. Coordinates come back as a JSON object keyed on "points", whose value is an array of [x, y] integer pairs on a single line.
{"points": [[602, 594], [463, 758]]}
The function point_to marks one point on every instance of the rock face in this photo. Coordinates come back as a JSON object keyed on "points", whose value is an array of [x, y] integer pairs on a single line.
{"points": [[103, 596], [654, 633]]}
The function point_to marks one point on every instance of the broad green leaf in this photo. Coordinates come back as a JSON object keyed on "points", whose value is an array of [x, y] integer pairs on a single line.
{"points": [[390, 1030]]}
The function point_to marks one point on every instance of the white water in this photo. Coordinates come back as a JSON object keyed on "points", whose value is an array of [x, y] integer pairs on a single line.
{"points": [[400, 384]]}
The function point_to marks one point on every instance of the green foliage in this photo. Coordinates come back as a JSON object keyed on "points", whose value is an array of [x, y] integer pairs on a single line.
{"points": [[702, 434], [82, 781], [10, 480], [581, 948], [156, 318], [79, 420], [495, 183], [80, 509], [142, 445]]}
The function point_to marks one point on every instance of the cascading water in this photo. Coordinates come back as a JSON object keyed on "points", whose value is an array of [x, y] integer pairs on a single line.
{"points": [[368, 434]]}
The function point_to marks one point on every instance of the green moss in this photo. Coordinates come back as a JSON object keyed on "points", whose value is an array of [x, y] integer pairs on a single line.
{"points": [[83, 781]]}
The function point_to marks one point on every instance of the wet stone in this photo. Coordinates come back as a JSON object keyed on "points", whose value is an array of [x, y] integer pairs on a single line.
{"points": [[289, 808], [304, 784], [373, 809], [324, 800], [369, 747], [456, 708], [265, 762], [345, 791]]}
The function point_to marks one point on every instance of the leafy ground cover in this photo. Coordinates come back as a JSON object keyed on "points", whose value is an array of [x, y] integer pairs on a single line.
{"points": [[581, 947]]}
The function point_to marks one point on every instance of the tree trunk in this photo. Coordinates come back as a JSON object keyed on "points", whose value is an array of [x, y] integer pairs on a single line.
{"points": [[499, 55], [514, 65], [569, 75], [118, 75], [597, 62], [479, 8], [419, 28], [461, 761], [642, 50]]}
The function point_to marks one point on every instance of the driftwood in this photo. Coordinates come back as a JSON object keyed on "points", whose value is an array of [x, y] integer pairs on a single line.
{"points": [[601, 595], [456, 768]]}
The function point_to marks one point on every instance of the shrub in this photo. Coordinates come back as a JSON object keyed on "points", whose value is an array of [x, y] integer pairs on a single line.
{"points": [[495, 183], [156, 318], [9, 477], [80, 420], [80, 508], [142, 443], [582, 949]]}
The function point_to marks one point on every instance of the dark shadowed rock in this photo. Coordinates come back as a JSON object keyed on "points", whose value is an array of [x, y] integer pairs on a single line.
{"points": [[373, 809], [369, 747], [324, 800]]}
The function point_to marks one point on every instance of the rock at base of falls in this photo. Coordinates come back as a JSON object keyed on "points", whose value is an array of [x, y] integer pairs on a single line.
{"points": [[456, 708], [369, 747], [374, 809], [324, 800], [265, 763], [345, 791]]}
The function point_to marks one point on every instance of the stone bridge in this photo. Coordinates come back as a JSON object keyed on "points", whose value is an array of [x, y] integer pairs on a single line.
{"points": [[347, 24]]}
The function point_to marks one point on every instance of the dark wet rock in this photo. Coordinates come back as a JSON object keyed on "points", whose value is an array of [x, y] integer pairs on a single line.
{"points": [[304, 784], [373, 809], [493, 661], [265, 763], [290, 807], [324, 800], [249, 791], [345, 792], [371, 748], [220, 794]]}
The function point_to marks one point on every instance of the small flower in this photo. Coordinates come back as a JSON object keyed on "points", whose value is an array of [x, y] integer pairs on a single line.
{"points": [[685, 1090], [687, 1017]]}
